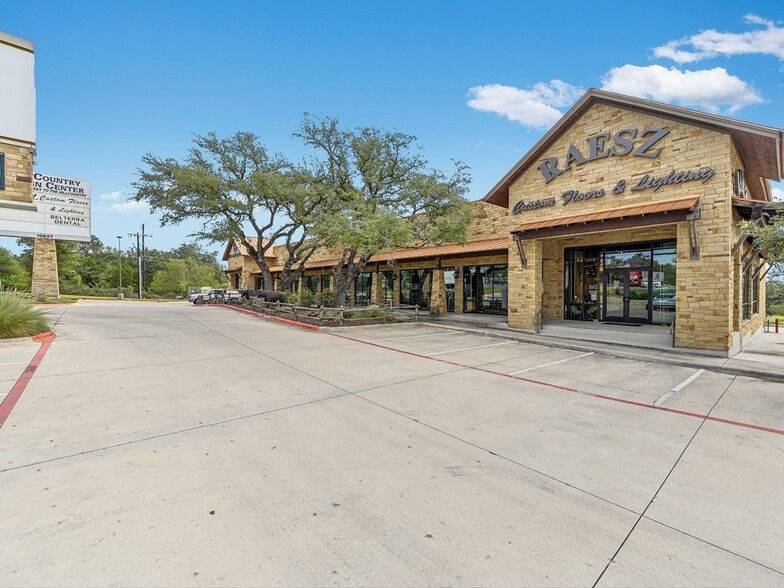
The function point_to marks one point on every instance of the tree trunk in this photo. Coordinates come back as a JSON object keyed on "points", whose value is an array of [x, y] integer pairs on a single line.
{"points": [[266, 274]]}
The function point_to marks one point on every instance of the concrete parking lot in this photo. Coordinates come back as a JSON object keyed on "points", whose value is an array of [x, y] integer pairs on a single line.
{"points": [[174, 445]]}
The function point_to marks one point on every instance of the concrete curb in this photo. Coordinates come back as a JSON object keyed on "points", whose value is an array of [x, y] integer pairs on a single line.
{"points": [[274, 319], [9, 402]]}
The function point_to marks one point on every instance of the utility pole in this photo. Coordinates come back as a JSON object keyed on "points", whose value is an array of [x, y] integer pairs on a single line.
{"points": [[140, 259], [142, 263], [119, 255]]}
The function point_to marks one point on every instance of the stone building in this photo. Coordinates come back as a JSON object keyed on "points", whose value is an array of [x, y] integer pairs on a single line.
{"points": [[625, 211]]}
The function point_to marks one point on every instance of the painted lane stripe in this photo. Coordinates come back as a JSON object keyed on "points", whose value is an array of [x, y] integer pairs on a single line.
{"points": [[660, 400], [695, 415], [9, 402], [468, 348], [13, 362], [407, 337], [551, 363]]}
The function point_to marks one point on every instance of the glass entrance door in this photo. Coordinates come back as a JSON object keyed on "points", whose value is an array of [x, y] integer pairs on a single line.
{"points": [[627, 295]]}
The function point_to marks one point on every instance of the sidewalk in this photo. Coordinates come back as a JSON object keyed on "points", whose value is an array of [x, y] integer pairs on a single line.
{"points": [[762, 358]]}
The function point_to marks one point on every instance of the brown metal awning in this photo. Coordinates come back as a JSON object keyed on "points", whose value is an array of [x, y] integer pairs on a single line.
{"points": [[622, 217], [488, 246]]}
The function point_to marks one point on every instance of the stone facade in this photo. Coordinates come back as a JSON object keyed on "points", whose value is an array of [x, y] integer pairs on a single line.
{"points": [[708, 288], [45, 282], [704, 292], [18, 173]]}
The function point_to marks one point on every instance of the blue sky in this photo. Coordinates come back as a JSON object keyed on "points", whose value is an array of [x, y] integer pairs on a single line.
{"points": [[475, 81]]}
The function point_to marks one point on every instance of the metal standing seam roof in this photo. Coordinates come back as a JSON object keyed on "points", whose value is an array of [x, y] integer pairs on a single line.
{"points": [[662, 206], [484, 246]]}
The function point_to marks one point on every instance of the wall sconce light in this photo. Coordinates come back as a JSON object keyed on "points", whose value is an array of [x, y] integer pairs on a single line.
{"points": [[457, 272], [520, 250]]}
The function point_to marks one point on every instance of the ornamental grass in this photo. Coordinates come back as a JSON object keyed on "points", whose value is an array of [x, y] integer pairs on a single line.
{"points": [[18, 318]]}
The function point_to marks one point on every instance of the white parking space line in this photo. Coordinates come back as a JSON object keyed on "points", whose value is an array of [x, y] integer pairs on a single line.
{"points": [[14, 362], [407, 337], [469, 348], [551, 363], [678, 388]]}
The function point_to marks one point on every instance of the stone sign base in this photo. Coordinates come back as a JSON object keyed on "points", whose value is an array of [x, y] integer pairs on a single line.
{"points": [[45, 280]]}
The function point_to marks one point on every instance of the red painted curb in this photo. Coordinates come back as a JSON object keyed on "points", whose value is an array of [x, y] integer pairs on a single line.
{"points": [[574, 390], [270, 318], [9, 402]]}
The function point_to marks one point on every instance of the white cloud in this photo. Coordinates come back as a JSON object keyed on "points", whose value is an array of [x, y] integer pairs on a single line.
{"points": [[129, 206], [116, 195], [778, 194], [712, 43], [713, 90], [536, 108]]}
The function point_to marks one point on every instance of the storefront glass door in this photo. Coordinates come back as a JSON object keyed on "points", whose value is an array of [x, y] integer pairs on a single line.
{"points": [[627, 295], [485, 289]]}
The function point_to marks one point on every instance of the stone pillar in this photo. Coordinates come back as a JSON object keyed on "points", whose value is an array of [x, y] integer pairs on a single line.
{"points": [[396, 288], [525, 285], [45, 284], [438, 293], [459, 282], [276, 282], [376, 288]]}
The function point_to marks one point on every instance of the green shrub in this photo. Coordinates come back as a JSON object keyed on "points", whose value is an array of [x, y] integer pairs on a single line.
{"points": [[326, 298], [290, 298], [18, 318], [776, 309], [365, 313], [306, 297]]}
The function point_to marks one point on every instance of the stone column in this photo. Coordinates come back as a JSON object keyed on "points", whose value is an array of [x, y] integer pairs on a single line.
{"points": [[396, 288], [376, 288], [45, 284], [459, 282], [525, 285], [438, 293]]}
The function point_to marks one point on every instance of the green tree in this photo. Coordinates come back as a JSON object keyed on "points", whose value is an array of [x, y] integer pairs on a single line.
{"points": [[233, 182], [768, 235], [12, 274], [178, 274], [387, 195]]}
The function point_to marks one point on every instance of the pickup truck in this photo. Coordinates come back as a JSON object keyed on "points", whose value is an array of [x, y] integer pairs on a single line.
{"points": [[214, 295]]}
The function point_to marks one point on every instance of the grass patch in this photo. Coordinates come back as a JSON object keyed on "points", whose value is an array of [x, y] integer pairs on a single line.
{"points": [[18, 318]]}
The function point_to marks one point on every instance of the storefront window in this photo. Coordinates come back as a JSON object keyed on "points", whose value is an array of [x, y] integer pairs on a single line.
{"points": [[663, 287], [449, 285], [755, 291], [637, 284], [388, 286], [325, 282], [312, 283], [415, 287], [362, 289], [581, 284], [746, 287], [485, 289]]}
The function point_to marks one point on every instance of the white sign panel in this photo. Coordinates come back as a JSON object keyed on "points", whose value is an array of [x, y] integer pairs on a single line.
{"points": [[60, 210], [17, 89]]}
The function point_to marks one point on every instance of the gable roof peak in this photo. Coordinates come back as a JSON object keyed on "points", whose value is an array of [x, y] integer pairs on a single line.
{"points": [[750, 138]]}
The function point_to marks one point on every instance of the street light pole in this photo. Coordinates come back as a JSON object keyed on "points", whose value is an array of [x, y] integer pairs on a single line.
{"points": [[119, 255]]}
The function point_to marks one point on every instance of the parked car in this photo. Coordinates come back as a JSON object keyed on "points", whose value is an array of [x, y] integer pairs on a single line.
{"points": [[195, 292], [663, 301], [216, 295]]}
